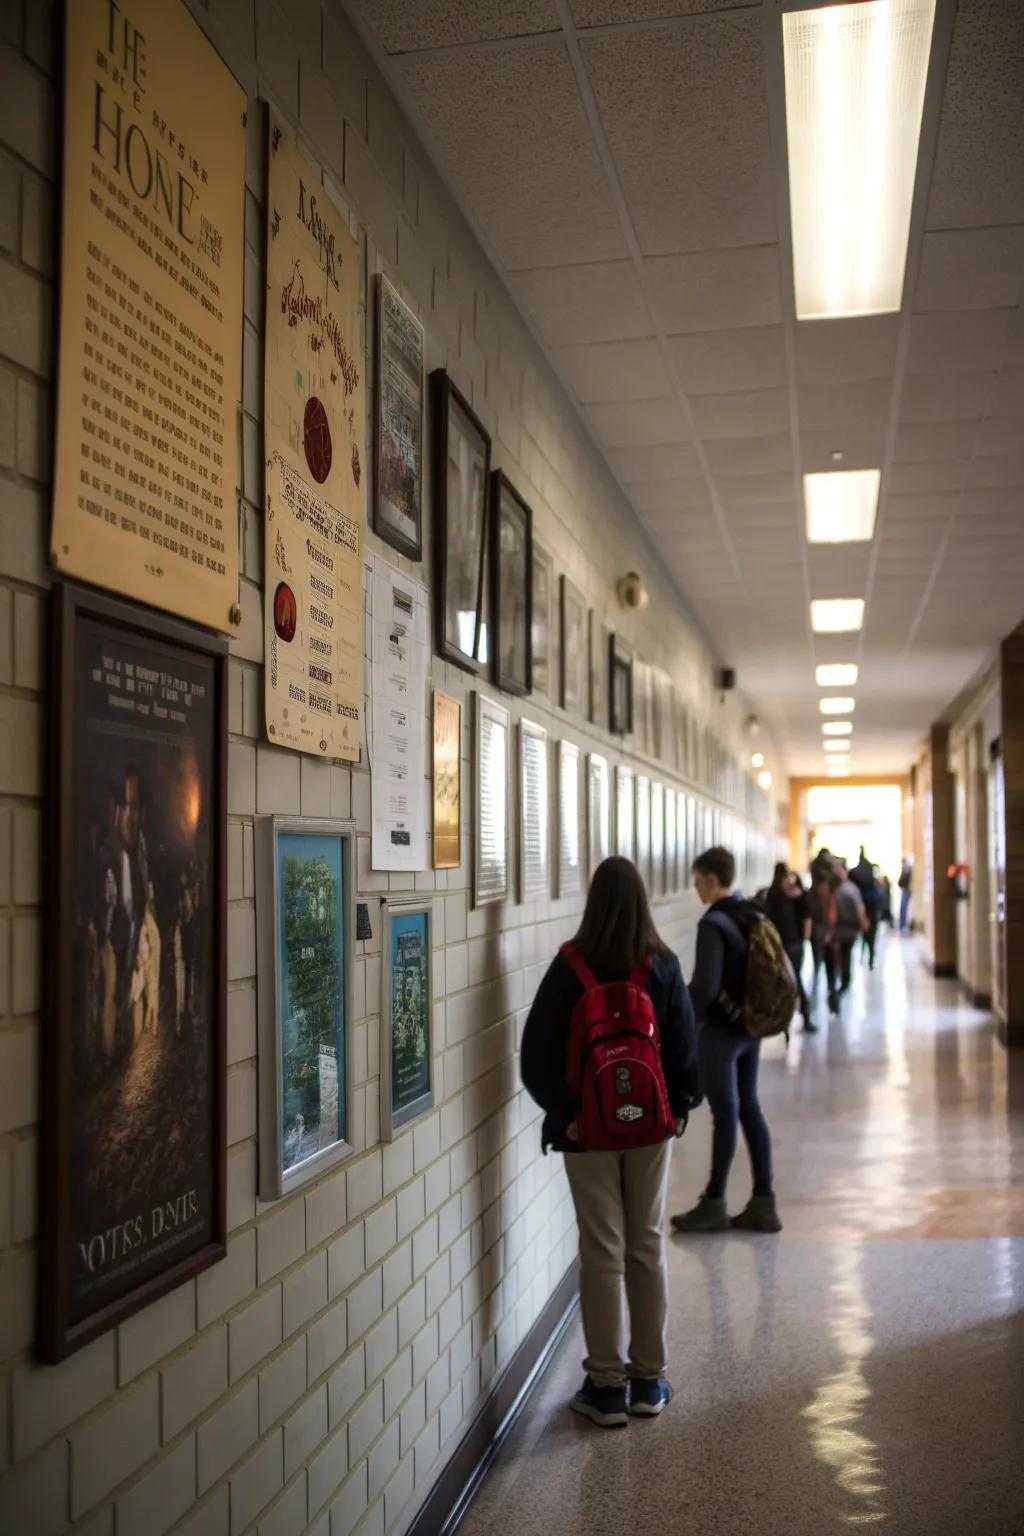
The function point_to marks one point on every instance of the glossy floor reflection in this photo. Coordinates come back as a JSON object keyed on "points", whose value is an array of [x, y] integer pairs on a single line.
{"points": [[866, 1368]]}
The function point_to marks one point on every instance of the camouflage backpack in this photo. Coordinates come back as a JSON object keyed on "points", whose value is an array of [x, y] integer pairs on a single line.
{"points": [[771, 992]]}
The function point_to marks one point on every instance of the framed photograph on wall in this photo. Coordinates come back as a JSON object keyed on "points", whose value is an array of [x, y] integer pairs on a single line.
{"points": [[620, 686], [446, 781], [625, 842], [599, 817], [305, 929], [491, 881], [597, 666], [572, 632], [134, 1051], [398, 424], [570, 861], [534, 812], [407, 1032], [511, 586], [540, 619], [461, 470]]}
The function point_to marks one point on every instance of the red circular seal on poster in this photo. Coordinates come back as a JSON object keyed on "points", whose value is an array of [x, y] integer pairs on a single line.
{"points": [[285, 612], [316, 440]]}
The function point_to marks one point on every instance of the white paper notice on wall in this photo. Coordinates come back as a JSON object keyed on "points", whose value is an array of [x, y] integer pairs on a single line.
{"points": [[398, 621]]}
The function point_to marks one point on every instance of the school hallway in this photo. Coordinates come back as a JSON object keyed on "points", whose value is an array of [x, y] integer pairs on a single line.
{"points": [[866, 1368]]}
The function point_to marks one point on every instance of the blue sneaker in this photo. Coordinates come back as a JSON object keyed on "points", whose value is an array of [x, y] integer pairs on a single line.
{"points": [[601, 1405], [647, 1397]]}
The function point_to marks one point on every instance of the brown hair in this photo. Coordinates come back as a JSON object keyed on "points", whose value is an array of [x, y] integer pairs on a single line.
{"points": [[718, 862], [617, 928]]}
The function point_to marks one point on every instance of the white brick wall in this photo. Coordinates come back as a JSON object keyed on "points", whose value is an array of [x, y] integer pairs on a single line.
{"points": [[311, 1383]]}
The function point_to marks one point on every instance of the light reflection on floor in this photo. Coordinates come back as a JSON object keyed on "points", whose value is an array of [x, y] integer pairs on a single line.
{"points": [[866, 1368]]}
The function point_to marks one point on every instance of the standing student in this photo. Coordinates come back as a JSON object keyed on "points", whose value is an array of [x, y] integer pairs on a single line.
{"points": [[616, 973], [728, 1057], [906, 885], [787, 907]]}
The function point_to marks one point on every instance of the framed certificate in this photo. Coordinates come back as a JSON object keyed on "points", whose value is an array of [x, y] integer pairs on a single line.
{"points": [[624, 826], [570, 861], [657, 839], [573, 642], [511, 585], [490, 802], [407, 1034], [305, 916], [534, 801], [599, 840], [398, 424]]}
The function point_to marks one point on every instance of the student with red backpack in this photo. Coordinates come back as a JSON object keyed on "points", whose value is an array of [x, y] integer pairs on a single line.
{"points": [[608, 1054], [743, 990]]}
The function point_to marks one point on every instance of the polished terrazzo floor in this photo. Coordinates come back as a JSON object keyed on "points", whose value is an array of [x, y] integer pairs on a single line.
{"points": [[866, 1368]]}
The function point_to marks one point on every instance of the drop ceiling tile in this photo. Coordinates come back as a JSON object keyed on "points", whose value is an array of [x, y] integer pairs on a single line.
{"points": [[716, 290], [947, 396], [667, 461], [750, 455], [922, 478], [1008, 398], [854, 407], [998, 436], [507, 123], [719, 361], [929, 442], [744, 490], [599, 301], [978, 176], [667, 495], [685, 113], [614, 370], [751, 413], [638, 423], [843, 351], [860, 450], [597, 13], [1004, 470], [970, 269], [970, 341], [402, 27], [761, 514]]}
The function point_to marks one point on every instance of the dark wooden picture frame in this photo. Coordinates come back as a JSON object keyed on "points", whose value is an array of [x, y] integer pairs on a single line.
{"points": [[620, 681], [506, 500], [393, 377], [445, 395], [105, 1018], [573, 683]]}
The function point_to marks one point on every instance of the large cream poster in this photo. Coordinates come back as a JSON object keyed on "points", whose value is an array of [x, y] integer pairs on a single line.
{"points": [[146, 474], [315, 428]]}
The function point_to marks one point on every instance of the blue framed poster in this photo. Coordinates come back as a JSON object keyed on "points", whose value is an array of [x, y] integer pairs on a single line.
{"points": [[407, 1036], [306, 925]]}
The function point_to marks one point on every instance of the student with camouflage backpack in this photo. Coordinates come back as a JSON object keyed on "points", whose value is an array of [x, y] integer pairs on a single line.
{"points": [[743, 990]]}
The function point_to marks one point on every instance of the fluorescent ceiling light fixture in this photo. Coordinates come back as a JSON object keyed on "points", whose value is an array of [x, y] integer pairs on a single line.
{"points": [[836, 615], [764, 778], [836, 771], [837, 728], [837, 705], [840, 507], [855, 79], [757, 759], [833, 744], [838, 674]]}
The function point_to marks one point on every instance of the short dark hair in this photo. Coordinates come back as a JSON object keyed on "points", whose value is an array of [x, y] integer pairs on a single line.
{"points": [[617, 930], [718, 862]]}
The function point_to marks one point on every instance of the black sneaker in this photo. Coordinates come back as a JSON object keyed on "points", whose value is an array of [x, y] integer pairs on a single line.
{"points": [[648, 1396], [601, 1405]]}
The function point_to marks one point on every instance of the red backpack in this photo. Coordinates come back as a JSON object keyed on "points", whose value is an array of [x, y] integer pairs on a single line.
{"points": [[615, 1067]]}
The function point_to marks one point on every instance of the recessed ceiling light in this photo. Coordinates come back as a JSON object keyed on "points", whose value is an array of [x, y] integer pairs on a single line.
{"points": [[757, 759], [836, 615], [834, 744], [840, 507], [855, 81], [835, 771], [837, 674], [837, 728], [764, 778], [836, 705]]}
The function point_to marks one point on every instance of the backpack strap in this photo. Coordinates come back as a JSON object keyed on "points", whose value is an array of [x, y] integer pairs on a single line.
{"points": [[584, 974]]}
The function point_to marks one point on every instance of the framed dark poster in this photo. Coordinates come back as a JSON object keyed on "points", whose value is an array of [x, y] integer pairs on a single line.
{"points": [[511, 585], [461, 468], [398, 424], [542, 594], [573, 639], [620, 686], [134, 1098], [407, 1036], [305, 926]]}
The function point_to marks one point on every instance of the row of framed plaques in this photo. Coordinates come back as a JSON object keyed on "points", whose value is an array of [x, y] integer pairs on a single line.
{"points": [[565, 825]]}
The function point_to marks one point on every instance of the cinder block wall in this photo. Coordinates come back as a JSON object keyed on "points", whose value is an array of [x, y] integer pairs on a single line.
{"points": [[317, 1379]]}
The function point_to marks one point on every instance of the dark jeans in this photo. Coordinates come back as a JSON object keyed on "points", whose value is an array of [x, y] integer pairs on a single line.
{"points": [[871, 937], [796, 958], [845, 961], [824, 953], [728, 1073]]}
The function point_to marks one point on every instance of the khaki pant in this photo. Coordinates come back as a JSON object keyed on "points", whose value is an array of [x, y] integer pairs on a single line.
{"points": [[620, 1209]]}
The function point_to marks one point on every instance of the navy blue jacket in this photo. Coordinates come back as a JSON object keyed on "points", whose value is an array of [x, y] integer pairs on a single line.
{"points": [[544, 1054], [721, 963]]}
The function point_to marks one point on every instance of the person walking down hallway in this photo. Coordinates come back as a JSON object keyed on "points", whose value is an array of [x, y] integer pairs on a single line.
{"points": [[866, 878], [728, 1057], [788, 908], [906, 885], [821, 901], [604, 1107], [851, 925]]}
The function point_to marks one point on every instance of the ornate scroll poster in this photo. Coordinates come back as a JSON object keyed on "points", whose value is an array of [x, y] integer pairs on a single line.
{"points": [[315, 427], [146, 468]]}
